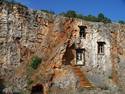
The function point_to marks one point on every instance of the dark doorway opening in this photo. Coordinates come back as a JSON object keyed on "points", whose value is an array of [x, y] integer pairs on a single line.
{"points": [[38, 89], [1, 86], [82, 32]]}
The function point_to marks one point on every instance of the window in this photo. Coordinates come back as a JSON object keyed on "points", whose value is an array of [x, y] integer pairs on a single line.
{"points": [[101, 47], [80, 56], [82, 32]]}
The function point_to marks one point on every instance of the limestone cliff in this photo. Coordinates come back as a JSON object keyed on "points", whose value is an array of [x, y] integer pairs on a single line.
{"points": [[25, 33]]}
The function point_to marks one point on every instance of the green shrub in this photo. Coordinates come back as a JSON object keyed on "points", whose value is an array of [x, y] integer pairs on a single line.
{"points": [[110, 77], [48, 11], [13, 2], [102, 18], [35, 62], [80, 90], [30, 82], [71, 14], [8, 1], [121, 22], [90, 18]]}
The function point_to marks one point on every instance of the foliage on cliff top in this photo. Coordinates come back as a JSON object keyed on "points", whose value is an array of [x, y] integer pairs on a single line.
{"points": [[13, 2], [48, 11]]}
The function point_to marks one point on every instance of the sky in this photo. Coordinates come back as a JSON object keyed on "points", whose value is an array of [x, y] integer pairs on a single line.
{"points": [[113, 9]]}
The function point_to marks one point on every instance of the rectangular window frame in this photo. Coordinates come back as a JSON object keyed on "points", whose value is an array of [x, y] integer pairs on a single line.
{"points": [[101, 48], [82, 32], [80, 57]]}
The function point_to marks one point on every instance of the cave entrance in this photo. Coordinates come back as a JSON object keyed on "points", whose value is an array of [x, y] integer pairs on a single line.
{"points": [[38, 89]]}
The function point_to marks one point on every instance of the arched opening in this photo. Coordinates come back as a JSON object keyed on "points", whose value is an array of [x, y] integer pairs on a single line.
{"points": [[38, 89]]}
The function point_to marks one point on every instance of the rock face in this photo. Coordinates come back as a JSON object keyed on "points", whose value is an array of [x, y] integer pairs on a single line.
{"points": [[74, 59]]}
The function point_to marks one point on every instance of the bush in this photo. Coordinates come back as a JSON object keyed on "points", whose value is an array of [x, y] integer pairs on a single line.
{"points": [[90, 18], [47, 11], [110, 77], [9, 1], [29, 82], [71, 14], [35, 62], [13, 2], [121, 22], [102, 18]]}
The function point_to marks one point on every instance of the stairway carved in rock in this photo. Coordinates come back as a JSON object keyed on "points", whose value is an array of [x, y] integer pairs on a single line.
{"points": [[84, 82]]}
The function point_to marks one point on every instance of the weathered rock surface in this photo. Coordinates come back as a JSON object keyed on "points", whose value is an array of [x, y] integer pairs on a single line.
{"points": [[25, 33]]}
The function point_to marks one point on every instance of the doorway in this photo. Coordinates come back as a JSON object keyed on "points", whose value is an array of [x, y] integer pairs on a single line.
{"points": [[38, 89]]}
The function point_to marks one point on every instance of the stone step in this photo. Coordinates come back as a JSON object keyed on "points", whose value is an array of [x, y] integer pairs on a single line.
{"points": [[84, 82]]}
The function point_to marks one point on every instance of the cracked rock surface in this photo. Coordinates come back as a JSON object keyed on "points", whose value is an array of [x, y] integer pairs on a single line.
{"points": [[25, 33]]}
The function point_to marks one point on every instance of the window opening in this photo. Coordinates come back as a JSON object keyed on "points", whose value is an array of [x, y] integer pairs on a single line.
{"points": [[82, 32], [101, 47], [80, 56]]}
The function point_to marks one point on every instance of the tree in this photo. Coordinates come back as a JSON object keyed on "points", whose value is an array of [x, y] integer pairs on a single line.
{"points": [[71, 14], [62, 13], [90, 18], [80, 16], [47, 11], [121, 22], [107, 20], [102, 18], [9, 1]]}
